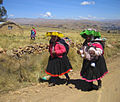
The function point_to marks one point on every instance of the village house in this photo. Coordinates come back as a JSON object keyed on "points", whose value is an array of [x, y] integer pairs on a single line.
{"points": [[10, 28]]}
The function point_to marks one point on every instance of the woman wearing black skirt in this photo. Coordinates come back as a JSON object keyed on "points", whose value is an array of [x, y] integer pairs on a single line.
{"points": [[91, 73], [58, 63]]}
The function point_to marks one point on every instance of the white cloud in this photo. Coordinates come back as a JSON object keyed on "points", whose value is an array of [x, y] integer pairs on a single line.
{"points": [[88, 3], [47, 14], [11, 15], [89, 17], [81, 17]]}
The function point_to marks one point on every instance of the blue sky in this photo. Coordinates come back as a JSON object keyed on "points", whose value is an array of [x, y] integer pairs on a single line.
{"points": [[63, 9]]}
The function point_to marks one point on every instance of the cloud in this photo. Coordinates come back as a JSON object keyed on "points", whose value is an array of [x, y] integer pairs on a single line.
{"points": [[11, 15], [89, 17], [47, 14], [88, 3], [81, 17]]}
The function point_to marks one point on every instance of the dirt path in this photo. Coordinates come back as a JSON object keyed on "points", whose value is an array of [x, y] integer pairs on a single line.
{"points": [[110, 91]]}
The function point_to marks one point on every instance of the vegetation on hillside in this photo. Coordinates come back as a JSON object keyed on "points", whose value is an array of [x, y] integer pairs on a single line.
{"points": [[26, 70]]}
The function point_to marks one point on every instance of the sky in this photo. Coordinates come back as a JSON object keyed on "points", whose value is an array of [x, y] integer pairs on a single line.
{"points": [[63, 9]]}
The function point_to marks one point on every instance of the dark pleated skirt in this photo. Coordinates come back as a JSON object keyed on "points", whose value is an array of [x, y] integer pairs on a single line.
{"points": [[91, 74], [58, 66], [33, 35]]}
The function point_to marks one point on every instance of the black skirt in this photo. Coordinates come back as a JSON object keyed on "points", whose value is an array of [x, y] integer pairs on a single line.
{"points": [[58, 66], [90, 73]]}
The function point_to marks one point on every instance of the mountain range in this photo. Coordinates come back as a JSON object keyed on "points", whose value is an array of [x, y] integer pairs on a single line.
{"points": [[69, 23]]}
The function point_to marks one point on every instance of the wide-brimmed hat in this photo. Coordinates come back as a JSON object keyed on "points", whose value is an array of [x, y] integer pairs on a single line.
{"points": [[33, 27], [90, 32], [54, 33]]}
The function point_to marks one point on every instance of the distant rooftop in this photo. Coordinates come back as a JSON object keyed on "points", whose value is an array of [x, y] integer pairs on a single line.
{"points": [[2, 22]]}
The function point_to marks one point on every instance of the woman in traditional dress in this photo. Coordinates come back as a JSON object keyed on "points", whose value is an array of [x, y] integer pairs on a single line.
{"points": [[58, 63], [90, 72]]}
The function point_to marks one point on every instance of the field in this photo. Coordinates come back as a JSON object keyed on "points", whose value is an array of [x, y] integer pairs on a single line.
{"points": [[24, 71]]}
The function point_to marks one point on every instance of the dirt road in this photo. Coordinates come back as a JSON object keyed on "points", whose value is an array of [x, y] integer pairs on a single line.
{"points": [[110, 91]]}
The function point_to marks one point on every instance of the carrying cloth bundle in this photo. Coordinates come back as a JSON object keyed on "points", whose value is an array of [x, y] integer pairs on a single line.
{"points": [[65, 43], [100, 40]]}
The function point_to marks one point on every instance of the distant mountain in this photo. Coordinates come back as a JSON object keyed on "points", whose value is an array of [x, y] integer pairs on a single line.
{"points": [[42, 20], [69, 23], [111, 20]]}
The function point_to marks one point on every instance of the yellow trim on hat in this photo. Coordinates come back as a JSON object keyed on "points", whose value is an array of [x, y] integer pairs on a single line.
{"points": [[54, 33]]}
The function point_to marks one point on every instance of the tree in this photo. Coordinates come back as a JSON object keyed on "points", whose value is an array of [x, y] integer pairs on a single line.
{"points": [[3, 12], [1, 1]]}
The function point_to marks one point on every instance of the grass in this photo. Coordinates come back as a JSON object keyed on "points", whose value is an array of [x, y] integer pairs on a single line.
{"points": [[17, 73]]}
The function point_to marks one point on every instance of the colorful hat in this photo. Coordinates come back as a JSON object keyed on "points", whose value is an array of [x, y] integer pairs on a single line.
{"points": [[33, 27], [54, 33], [88, 32]]}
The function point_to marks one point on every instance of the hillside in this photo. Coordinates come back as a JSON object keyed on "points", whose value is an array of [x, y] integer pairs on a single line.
{"points": [[70, 23], [16, 73]]}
